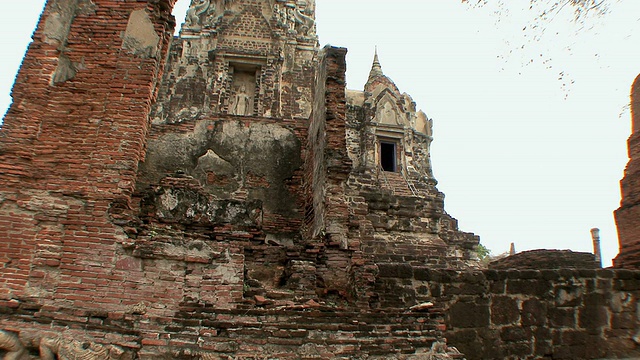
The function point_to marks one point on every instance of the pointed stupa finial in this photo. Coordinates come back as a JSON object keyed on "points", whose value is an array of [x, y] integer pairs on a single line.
{"points": [[376, 69]]}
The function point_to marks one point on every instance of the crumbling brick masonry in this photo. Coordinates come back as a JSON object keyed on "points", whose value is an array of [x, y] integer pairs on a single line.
{"points": [[222, 195]]}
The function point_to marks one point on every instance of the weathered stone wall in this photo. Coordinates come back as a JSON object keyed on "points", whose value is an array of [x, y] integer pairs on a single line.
{"points": [[628, 215], [525, 314], [233, 108]]}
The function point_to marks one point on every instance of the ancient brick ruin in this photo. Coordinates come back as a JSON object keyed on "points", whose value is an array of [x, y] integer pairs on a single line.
{"points": [[222, 195], [628, 215]]}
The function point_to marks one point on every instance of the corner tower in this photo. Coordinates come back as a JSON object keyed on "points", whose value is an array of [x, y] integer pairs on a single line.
{"points": [[388, 142], [402, 134]]}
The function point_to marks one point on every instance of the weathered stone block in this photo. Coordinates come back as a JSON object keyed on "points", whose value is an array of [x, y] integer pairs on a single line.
{"points": [[435, 289], [504, 310], [514, 334], [542, 341], [395, 270], [538, 288], [568, 295], [596, 347], [624, 320], [466, 341], [573, 338], [626, 284], [473, 289], [534, 313], [491, 275], [593, 314], [498, 287], [624, 274], [469, 315], [562, 317], [473, 277], [605, 273], [550, 275], [421, 273], [564, 352], [518, 350]]}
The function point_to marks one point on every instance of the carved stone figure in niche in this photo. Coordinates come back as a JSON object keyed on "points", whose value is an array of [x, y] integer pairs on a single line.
{"points": [[198, 7], [242, 104], [187, 49], [387, 114]]}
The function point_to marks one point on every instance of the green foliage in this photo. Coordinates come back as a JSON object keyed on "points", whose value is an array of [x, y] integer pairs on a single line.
{"points": [[483, 252]]}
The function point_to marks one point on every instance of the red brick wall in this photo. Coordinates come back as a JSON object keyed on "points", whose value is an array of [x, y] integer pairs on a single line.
{"points": [[69, 150], [330, 164], [628, 215]]}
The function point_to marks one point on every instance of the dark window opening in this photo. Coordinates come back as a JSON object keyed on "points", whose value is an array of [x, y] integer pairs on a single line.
{"points": [[388, 156]]}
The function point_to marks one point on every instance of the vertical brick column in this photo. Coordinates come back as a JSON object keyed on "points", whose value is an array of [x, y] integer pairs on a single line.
{"points": [[71, 142], [327, 142], [628, 215]]}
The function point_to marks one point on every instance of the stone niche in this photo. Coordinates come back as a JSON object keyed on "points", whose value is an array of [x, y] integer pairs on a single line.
{"points": [[245, 85]]}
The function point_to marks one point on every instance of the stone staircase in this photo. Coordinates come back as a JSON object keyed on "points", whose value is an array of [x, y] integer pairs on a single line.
{"points": [[395, 182]]}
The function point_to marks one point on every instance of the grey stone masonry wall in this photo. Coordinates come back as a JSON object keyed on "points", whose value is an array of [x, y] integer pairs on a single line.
{"points": [[526, 314]]}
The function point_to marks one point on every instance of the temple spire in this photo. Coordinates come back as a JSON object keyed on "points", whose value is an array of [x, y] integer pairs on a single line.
{"points": [[377, 77], [376, 69]]}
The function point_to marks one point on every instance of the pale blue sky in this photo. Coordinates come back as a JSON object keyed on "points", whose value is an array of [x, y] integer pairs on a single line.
{"points": [[530, 143]]}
